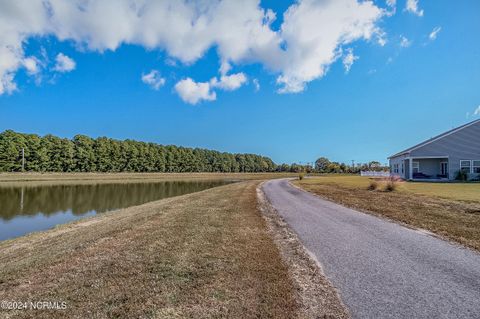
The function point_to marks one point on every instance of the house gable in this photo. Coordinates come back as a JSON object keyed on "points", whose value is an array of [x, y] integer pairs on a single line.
{"points": [[462, 140]]}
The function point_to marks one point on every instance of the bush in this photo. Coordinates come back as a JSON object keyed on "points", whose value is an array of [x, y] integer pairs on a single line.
{"points": [[391, 184], [373, 185], [301, 176], [461, 176]]}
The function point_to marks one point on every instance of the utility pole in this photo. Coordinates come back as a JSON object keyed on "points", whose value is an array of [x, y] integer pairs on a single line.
{"points": [[23, 159]]}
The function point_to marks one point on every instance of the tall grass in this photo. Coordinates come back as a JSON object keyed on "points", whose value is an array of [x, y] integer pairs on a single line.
{"points": [[372, 185], [391, 184]]}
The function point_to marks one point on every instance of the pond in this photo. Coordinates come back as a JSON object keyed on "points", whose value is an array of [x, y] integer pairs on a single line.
{"points": [[25, 209]]}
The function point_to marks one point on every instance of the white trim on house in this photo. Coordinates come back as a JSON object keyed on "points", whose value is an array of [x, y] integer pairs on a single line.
{"points": [[416, 165], [410, 171], [471, 166], [441, 168], [420, 157], [475, 166], [465, 166]]}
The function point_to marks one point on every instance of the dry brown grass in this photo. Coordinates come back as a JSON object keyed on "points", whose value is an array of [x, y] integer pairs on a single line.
{"points": [[129, 177], [458, 220], [201, 255]]}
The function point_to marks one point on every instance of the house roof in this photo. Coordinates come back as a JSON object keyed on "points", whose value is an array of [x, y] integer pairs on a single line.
{"points": [[408, 150]]}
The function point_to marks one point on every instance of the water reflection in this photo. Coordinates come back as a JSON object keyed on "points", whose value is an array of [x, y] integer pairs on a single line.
{"points": [[22, 209]]}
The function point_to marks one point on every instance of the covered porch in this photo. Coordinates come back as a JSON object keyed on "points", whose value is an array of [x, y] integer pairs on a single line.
{"points": [[427, 168]]}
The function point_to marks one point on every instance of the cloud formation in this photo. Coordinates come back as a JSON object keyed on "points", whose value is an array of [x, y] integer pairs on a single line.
{"points": [[308, 41], [433, 35], [193, 92], [477, 111], [229, 82], [412, 7], [349, 59], [404, 42], [314, 32], [64, 63], [153, 79], [256, 85], [31, 65]]}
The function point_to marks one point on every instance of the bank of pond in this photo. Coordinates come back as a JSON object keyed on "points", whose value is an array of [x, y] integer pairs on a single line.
{"points": [[28, 208]]}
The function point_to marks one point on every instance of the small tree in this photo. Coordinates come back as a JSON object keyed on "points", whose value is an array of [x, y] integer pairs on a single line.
{"points": [[321, 164]]}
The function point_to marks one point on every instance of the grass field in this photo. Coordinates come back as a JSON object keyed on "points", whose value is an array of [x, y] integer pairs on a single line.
{"points": [[203, 255], [451, 210]]}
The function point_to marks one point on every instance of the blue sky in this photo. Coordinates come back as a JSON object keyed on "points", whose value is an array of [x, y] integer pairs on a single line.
{"points": [[410, 88]]}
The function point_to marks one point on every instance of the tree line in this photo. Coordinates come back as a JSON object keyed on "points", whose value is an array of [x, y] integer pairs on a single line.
{"points": [[324, 165], [85, 154]]}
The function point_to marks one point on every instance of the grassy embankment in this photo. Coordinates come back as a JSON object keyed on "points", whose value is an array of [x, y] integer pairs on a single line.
{"points": [[201, 255], [12, 179], [451, 210]]}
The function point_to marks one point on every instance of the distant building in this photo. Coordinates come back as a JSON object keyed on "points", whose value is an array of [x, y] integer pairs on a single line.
{"points": [[441, 157]]}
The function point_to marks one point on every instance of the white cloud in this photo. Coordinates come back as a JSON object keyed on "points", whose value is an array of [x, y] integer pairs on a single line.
{"points": [[153, 79], [477, 111], [412, 7], [64, 63], [382, 40], [256, 85], [349, 59], [229, 82], [32, 65], [225, 67], [391, 3], [193, 92], [7, 85], [309, 40], [314, 32], [433, 35], [404, 42]]}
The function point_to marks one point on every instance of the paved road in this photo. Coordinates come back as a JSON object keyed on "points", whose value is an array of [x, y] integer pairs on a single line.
{"points": [[381, 269]]}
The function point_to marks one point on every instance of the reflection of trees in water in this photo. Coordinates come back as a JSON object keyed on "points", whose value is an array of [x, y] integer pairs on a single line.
{"points": [[81, 199]]}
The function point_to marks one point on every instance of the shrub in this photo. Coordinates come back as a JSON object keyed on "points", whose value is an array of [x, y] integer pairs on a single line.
{"points": [[461, 176], [391, 184], [373, 185], [301, 176]]}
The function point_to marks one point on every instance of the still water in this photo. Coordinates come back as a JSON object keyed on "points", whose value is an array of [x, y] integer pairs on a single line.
{"points": [[32, 208]]}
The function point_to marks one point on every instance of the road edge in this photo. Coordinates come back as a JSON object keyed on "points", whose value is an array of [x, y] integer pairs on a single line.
{"points": [[423, 231], [315, 294]]}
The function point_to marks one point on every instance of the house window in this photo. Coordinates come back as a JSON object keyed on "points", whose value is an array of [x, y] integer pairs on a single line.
{"points": [[415, 167], [465, 166], [403, 167], [395, 168], [476, 166]]}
